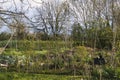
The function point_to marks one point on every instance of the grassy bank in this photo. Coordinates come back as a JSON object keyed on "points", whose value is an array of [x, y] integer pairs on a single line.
{"points": [[25, 76]]}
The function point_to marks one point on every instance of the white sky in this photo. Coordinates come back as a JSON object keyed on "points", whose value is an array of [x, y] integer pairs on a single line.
{"points": [[17, 3], [28, 6], [31, 3]]}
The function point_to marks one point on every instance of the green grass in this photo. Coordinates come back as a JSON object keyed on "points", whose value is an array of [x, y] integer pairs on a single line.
{"points": [[26, 44], [25, 76]]}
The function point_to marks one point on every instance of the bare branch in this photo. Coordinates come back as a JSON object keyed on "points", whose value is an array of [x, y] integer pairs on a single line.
{"points": [[3, 1]]}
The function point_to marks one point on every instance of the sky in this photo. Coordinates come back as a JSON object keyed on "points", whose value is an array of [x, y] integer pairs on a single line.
{"points": [[30, 3], [28, 6], [17, 2], [12, 4], [4, 29]]}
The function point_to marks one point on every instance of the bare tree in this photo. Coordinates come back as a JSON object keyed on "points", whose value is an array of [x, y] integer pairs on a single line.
{"points": [[10, 15], [52, 17]]}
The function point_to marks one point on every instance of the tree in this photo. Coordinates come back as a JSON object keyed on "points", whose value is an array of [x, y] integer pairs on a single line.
{"points": [[77, 34], [96, 14], [52, 17], [105, 36], [19, 30]]}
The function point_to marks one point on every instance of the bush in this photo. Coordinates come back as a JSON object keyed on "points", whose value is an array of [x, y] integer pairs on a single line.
{"points": [[81, 53], [108, 73]]}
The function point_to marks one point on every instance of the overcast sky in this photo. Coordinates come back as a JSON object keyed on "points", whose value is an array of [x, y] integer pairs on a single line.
{"points": [[28, 6], [17, 3]]}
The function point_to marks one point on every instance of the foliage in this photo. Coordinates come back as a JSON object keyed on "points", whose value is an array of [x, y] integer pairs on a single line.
{"points": [[38, 45], [81, 53], [4, 36], [7, 59], [25, 76], [107, 72], [105, 36], [55, 59], [77, 34]]}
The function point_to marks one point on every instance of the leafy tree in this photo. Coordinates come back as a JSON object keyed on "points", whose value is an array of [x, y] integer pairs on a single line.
{"points": [[77, 34], [105, 38]]}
